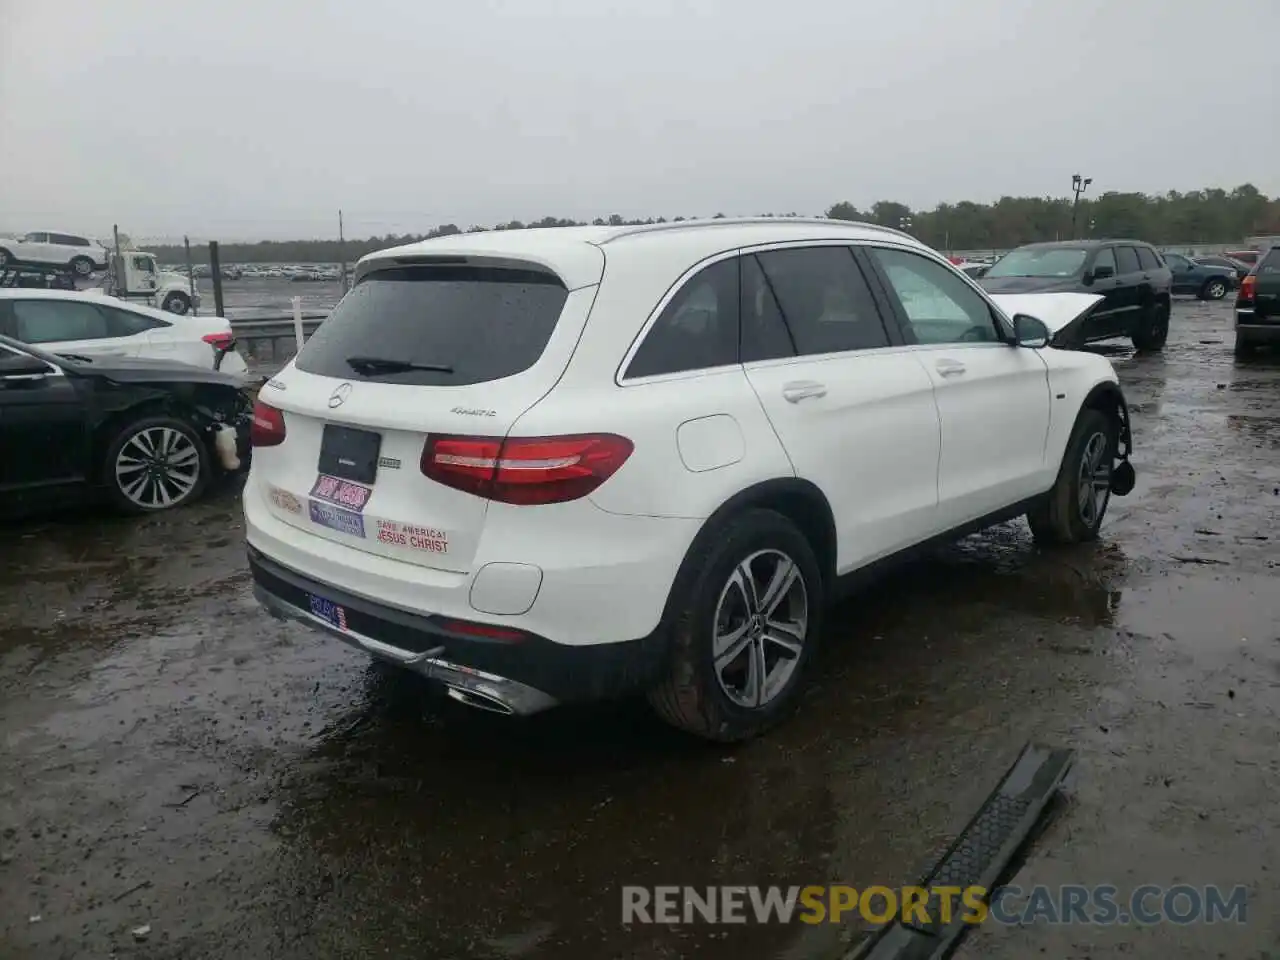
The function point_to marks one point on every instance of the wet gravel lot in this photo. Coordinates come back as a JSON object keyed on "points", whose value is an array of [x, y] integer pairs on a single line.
{"points": [[172, 757]]}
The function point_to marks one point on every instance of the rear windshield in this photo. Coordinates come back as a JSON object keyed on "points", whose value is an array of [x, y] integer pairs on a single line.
{"points": [[1040, 262], [482, 323]]}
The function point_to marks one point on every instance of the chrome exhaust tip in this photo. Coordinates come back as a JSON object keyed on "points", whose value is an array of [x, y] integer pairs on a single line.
{"points": [[479, 700]]}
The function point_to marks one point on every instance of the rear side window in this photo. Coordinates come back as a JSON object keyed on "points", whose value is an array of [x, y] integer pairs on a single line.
{"points": [[698, 328], [480, 323], [126, 323], [824, 298], [1147, 258], [1126, 260]]}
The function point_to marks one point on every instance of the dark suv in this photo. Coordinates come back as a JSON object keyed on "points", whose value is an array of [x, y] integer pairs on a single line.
{"points": [[1258, 305], [1131, 276]]}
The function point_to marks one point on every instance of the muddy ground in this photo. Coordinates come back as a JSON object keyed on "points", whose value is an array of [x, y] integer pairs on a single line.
{"points": [[174, 758]]}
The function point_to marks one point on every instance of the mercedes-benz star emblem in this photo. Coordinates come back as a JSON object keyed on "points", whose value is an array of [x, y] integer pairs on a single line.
{"points": [[339, 396]]}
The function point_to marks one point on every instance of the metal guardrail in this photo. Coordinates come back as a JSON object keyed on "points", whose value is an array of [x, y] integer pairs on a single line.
{"points": [[272, 341]]}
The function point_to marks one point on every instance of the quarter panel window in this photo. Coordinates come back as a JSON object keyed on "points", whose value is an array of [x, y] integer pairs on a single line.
{"points": [[939, 306], [125, 323], [698, 328], [825, 301]]}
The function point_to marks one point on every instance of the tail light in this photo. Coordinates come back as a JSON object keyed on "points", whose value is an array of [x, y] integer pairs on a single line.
{"points": [[267, 429], [1247, 286], [525, 470], [220, 341]]}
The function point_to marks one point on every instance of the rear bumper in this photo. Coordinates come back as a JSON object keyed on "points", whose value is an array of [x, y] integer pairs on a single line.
{"points": [[1255, 330], [528, 675]]}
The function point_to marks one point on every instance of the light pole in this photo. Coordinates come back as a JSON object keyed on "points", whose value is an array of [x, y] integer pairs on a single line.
{"points": [[904, 224], [1079, 185]]}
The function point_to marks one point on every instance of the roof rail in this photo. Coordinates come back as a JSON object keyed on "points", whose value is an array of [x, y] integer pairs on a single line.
{"points": [[641, 228]]}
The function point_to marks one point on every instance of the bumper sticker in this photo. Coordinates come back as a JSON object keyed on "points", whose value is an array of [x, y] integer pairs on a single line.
{"points": [[342, 493], [412, 536], [285, 500], [344, 521]]}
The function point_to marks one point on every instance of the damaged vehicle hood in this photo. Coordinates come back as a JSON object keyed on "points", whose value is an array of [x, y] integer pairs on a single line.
{"points": [[1057, 311]]}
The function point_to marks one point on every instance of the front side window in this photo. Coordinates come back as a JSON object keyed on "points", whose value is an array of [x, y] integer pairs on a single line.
{"points": [[1105, 258], [54, 321], [939, 306], [1126, 260], [825, 301], [697, 329], [1040, 262]]}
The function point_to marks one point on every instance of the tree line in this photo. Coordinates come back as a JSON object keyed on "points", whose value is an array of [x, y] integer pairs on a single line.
{"points": [[1212, 216]]}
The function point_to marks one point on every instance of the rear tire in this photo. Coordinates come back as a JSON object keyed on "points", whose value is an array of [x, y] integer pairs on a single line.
{"points": [[1153, 328], [1215, 288], [733, 672], [82, 267], [1072, 511], [155, 464]]}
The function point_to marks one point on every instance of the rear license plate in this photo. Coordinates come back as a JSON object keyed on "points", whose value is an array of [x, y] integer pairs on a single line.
{"points": [[349, 454], [328, 611], [344, 493]]}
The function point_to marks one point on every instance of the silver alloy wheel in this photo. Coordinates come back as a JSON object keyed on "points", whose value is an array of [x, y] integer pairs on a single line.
{"points": [[82, 266], [1095, 479], [761, 622], [157, 467], [1216, 290]]}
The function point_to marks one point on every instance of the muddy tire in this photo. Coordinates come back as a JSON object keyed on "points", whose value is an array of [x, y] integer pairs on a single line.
{"points": [[1153, 328], [1215, 288], [155, 464], [176, 303], [745, 618], [1073, 510], [81, 267]]}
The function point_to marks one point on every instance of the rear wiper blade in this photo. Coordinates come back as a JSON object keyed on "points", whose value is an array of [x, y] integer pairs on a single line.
{"points": [[387, 365]]}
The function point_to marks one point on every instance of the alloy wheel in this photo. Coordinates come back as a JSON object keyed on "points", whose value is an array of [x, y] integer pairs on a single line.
{"points": [[157, 467], [1216, 290], [1095, 479], [82, 267], [761, 624]]}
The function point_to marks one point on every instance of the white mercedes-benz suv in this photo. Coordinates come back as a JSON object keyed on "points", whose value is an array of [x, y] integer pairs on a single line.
{"points": [[573, 463]]}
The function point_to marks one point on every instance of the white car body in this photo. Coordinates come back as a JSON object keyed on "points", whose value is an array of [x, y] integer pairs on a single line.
{"points": [[91, 324], [50, 248], [897, 444]]}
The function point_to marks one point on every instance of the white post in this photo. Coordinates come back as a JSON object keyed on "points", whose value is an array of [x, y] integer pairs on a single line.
{"points": [[297, 321]]}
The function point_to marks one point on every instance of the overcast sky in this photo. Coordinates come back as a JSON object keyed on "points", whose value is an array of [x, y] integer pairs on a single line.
{"points": [[239, 119]]}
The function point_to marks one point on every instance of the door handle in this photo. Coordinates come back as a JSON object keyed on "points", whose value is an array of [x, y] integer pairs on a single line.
{"points": [[798, 390], [950, 368]]}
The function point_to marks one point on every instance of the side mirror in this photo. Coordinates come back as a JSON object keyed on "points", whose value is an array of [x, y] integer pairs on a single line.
{"points": [[1030, 332], [22, 365], [1102, 273]]}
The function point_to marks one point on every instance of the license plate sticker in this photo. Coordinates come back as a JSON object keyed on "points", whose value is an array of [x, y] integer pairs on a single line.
{"points": [[335, 518], [343, 493], [328, 611]]}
